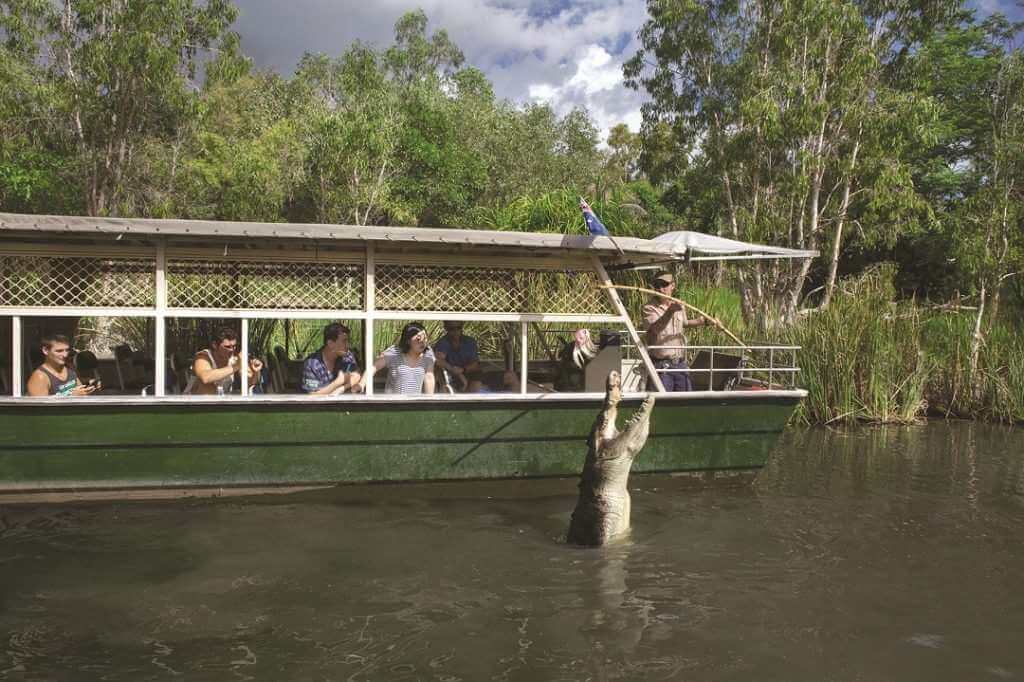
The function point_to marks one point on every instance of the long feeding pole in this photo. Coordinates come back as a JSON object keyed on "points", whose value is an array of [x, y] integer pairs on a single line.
{"points": [[718, 323]]}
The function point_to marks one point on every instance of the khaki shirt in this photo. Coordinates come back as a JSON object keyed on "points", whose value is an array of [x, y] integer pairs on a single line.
{"points": [[672, 334]]}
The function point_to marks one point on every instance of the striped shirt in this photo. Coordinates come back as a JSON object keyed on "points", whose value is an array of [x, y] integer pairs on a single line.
{"points": [[405, 378]]}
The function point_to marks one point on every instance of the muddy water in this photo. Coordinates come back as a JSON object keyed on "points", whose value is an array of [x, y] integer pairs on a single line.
{"points": [[893, 554]]}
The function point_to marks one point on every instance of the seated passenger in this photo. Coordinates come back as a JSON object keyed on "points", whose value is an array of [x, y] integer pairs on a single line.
{"points": [[215, 367], [460, 357], [54, 376], [410, 364], [333, 369]]}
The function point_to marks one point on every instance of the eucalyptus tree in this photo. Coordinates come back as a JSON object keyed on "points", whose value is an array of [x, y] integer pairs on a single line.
{"points": [[352, 133], [991, 234], [624, 147], [973, 172], [120, 72], [775, 103], [33, 166], [244, 157]]}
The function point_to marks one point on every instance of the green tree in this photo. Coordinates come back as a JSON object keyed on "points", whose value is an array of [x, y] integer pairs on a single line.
{"points": [[352, 135], [779, 102], [121, 72]]}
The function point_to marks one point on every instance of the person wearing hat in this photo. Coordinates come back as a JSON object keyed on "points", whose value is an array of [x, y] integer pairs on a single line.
{"points": [[666, 322]]}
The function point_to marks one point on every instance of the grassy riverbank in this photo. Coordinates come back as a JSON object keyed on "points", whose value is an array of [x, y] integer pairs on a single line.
{"points": [[871, 358]]}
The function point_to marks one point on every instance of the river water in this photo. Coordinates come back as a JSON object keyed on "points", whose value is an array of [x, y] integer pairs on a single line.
{"points": [[872, 554]]}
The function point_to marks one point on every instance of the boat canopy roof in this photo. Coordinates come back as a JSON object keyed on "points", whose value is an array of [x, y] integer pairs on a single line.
{"points": [[708, 246], [669, 246]]}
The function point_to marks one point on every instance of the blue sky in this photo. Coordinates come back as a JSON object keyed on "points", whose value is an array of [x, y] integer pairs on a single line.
{"points": [[564, 52]]}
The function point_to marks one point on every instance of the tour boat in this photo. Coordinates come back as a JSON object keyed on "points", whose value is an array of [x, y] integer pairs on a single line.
{"points": [[156, 441]]}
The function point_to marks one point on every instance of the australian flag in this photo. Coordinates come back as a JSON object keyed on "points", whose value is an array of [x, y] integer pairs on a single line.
{"points": [[594, 224]]}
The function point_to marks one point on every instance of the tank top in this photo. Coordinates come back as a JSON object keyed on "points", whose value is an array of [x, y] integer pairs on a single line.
{"points": [[224, 383], [58, 386]]}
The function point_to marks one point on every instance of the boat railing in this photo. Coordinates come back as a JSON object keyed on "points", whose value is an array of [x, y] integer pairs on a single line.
{"points": [[725, 366]]}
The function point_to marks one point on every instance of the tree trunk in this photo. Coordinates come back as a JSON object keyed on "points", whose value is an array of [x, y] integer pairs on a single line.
{"points": [[844, 208], [978, 337]]}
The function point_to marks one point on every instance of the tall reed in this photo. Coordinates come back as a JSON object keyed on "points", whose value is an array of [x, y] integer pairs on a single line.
{"points": [[861, 358], [994, 388]]}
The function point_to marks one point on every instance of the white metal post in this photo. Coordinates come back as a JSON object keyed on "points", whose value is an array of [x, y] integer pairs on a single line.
{"points": [[524, 356], [369, 305], [159, 328], [244, 370], [16, 381], [711, 372], [652, 372]]}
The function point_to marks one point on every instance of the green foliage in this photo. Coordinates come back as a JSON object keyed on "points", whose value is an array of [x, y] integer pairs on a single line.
{"points": [[992, 389], [861, 358], [779, 122], [874, 131], [558, 211]]}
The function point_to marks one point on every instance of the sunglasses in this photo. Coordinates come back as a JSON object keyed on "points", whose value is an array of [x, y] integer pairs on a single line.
{"points": [[659, 283]]}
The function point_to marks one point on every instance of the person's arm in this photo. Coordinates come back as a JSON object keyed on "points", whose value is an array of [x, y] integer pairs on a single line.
{"points": [[84, 389], [255, 367], [472, 357], [330, 388], [348, 379], [38, 384], [350, 382], [457, 372], [428, 374], [310, 383], [656, 322], [207, 374], [380, 363]]}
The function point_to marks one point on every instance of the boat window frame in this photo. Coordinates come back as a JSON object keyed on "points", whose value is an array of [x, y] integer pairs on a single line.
{"points": [[161, 248]]}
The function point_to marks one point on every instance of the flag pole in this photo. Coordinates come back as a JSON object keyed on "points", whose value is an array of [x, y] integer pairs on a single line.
{"points": [[609, 235]]}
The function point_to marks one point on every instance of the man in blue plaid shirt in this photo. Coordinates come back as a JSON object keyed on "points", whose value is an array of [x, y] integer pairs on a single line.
{"points": [[333, 369]]}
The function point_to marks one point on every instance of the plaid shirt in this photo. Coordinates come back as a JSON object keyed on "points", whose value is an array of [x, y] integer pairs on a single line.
{"points": [[316, 375]]}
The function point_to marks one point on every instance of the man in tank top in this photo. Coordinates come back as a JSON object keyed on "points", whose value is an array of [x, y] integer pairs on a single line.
{"points": [[215, 367], [54, 376]]}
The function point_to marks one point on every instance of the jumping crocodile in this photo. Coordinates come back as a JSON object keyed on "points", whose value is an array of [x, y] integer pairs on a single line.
{"points": [[602, 510]]}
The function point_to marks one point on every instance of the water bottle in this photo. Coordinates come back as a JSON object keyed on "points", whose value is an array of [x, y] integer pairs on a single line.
{"points": [[220, 391]]}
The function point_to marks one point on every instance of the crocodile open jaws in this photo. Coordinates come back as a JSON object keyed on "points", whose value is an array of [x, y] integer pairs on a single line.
{"points": [[602, 510]]}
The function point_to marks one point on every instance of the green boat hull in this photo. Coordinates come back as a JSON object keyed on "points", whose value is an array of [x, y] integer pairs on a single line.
{"points": [[80, 445]]}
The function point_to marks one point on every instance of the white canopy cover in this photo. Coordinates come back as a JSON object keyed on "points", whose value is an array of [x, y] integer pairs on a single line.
{"points": [[700, 244], [668, 246]]}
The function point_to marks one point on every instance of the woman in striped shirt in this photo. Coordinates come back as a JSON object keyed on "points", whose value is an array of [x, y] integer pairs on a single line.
{"points": [[410, 364]]}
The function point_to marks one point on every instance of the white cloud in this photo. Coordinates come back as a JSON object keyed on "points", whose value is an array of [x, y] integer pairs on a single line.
{"points": [[558, 53], [595, 86], [596, 72], [543, 92]]}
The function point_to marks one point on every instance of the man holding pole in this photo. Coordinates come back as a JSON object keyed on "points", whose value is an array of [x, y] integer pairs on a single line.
{"points": [[666, 322]]}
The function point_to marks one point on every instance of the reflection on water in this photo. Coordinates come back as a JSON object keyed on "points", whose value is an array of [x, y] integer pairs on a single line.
{"points": [[874, 554]]}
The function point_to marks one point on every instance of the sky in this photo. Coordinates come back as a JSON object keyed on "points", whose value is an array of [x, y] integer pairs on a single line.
{"points": [[567, 53]]}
